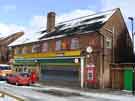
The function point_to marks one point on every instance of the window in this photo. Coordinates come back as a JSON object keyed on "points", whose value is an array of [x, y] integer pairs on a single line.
{"points": [[58, 45], [45, 47], [65, 44], [36, 48], [24, 51], [18, 51], [75, 43], [108, 43], [5, 67]]}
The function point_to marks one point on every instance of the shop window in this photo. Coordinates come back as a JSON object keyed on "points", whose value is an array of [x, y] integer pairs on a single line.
{"points": [[36, 48], [19, 69], [108, 43], [58, 45], [25, 69], [16, 69], [75, 43], [44, 47]]}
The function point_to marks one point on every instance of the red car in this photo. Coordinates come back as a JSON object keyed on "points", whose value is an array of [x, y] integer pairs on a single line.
{"points": [[22, 78]]}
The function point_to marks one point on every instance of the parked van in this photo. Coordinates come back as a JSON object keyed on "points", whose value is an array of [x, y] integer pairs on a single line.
{"points": [[4, 71]]}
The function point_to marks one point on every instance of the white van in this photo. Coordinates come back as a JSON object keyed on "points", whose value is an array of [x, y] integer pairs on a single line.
{"points": [[4, 71]]}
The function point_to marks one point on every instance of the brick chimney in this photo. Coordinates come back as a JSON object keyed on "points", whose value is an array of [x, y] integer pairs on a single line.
{"points": [[51, 21]]}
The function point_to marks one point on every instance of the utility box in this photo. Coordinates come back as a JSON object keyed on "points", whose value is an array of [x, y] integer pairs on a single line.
{"points": [[90, 77]]}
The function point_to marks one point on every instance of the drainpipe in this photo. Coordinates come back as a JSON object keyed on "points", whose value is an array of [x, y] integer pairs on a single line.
{"points": [[103, 60], [82, 72], [133, 81], [102, 70]]}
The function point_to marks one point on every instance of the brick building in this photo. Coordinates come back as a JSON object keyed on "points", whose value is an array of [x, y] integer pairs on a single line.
{"points": [[4, 42], [62, 52]]}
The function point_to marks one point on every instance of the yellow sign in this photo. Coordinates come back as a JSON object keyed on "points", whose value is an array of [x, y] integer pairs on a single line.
{"points": [[49, 54]]}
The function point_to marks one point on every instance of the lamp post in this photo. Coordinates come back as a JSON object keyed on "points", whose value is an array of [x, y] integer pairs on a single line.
{"points": [[132, 23]]}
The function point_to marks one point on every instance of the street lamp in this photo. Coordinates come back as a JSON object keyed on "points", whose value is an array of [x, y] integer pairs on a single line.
{"points": [[132, 22]]}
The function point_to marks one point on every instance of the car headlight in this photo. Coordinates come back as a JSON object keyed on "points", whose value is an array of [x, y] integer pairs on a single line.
{"points": [[3, 74]]}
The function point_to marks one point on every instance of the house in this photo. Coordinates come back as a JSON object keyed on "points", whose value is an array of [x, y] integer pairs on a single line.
{"points": [[63, 52], [4, 42]]}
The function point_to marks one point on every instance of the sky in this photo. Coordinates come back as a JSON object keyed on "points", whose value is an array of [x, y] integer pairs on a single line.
{"points": [[30, 15]]}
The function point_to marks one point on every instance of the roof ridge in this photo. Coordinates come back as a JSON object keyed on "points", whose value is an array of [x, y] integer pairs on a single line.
{"points": [[87, 15]]}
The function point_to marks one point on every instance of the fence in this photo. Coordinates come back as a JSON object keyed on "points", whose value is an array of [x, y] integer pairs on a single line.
{"points": [[122, 76]]}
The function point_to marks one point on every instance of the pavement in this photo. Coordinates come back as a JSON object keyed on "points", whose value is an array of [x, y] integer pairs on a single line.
{"points": [[44, 93], [118, 95], [41, 92]]}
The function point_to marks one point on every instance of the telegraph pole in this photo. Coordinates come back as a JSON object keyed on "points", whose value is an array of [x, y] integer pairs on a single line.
{"points": [[133, 82]]}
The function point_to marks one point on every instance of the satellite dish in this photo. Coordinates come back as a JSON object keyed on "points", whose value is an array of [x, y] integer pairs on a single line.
{"points": [[89, 49]]}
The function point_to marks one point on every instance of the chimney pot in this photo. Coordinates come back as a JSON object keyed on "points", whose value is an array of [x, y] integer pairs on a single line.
{"points": [[51, 21]]}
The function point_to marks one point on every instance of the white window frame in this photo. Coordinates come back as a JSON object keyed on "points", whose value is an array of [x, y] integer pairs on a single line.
{"points": [[45, 47], [58, 45], [74, 43], [18, 51], [24, 51], [108, 43], [35, 48]]}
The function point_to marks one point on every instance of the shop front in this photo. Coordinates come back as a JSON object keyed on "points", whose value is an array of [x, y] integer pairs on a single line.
{"points": [[60, 70], [21, 65]]}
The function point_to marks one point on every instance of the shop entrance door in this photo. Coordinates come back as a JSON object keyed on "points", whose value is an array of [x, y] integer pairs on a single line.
{"points": [[60, 75]]}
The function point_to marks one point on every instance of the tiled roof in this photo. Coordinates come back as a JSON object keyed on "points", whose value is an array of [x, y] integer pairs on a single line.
{"points": [[87, 23]]}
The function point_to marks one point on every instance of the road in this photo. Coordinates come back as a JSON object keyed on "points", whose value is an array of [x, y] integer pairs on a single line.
{"points": [[38, 95]]}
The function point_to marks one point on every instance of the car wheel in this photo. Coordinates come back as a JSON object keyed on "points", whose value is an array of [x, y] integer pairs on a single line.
{"points": [[7, 81]]}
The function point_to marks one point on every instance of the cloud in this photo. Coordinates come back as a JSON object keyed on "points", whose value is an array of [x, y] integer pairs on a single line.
{"points": [[8, 8], [7, 29], [126, 6], [74, 14], [39, 22]]}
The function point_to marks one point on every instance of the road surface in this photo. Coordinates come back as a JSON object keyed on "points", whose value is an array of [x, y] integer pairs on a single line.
{"points": [[38, 95]]}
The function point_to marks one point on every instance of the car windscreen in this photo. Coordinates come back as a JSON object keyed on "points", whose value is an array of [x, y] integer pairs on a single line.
{"points": [[5, 68], [12, 75], [24, 74]]}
